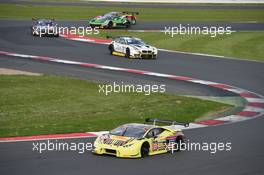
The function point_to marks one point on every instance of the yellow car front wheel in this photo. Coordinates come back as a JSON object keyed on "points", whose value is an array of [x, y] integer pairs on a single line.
{"points": [[144, 150]]}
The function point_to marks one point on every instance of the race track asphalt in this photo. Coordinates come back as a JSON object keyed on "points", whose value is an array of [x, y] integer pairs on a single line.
{"points": [[246, 156], [133, 6], [235, 26]]}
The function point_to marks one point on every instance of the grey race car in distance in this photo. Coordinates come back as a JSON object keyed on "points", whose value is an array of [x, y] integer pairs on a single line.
{"points": [[44, 27]]}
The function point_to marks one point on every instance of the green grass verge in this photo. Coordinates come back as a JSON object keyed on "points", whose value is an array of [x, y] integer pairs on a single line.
{"points": [[138, 3], [33, 105], [244, 45], [146, 14]]}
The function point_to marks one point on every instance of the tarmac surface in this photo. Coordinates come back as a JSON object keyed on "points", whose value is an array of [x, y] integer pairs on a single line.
{"points": [[140, 5], [245, 157]]}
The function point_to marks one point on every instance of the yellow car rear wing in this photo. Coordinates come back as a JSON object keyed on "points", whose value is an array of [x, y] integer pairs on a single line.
{"points": [[155, 120]]}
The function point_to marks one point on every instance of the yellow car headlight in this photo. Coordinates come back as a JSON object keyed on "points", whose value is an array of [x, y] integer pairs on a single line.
{"points": [[128, 145]]}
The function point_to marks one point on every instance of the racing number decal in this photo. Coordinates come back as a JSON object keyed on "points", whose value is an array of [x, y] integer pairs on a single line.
{"points": [[162, 145], [157, 146], [118, 47]]}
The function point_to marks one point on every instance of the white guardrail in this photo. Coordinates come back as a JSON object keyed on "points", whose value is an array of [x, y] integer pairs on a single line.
{"points": [[185, 1]]}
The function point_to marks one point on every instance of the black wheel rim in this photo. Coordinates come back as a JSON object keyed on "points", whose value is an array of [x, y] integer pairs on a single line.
{"points": [[111, 49], [127, 53], [178, 144], [144, 151], [110, 25]]}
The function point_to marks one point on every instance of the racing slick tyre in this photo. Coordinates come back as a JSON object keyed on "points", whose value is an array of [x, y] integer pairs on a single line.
{"points": [[178, 144], [127, 25], [133, 21], [110, 25], [144, 151], [127, 55], [111, 49]]}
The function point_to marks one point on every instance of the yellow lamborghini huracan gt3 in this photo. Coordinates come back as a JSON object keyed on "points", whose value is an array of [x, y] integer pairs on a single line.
{"points": [[136, 140]]}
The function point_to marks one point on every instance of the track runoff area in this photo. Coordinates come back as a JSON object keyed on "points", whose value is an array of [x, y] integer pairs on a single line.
{"points": [[253, 108]]}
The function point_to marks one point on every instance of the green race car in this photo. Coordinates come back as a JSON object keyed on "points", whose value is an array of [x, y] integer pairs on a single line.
{"points": [[114, 20]]}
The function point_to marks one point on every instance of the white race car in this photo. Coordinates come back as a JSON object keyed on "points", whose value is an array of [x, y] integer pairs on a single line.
{"points": [[132, 47]]}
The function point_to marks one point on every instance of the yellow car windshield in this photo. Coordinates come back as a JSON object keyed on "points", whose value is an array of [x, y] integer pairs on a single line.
{"points": [[129, 131]]}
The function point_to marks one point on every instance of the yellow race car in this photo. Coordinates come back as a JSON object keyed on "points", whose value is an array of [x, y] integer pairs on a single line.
{"points": [[136, 140]]}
